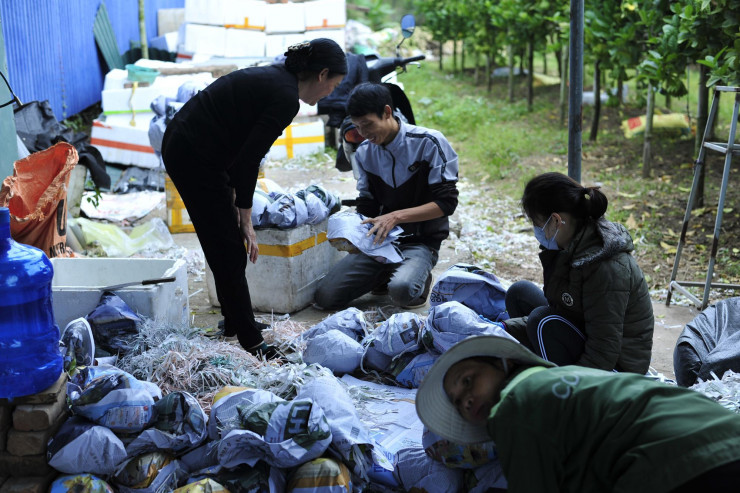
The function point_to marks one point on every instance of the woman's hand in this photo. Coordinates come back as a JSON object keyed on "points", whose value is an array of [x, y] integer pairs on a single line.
{"points": [[245, 224]]}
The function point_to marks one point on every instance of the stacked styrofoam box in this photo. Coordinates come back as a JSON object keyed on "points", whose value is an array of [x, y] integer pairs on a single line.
{"points": [[26, 425], [326, 19], [299, 139], [122, 137], [227, 28], [120, 142]]}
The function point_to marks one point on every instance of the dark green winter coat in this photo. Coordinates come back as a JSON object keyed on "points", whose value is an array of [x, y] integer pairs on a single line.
{"points": [[574, 429], [597, 285]]}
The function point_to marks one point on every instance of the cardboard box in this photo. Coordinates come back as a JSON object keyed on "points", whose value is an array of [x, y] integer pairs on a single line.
{"points": [[299, 139], [290, 265], [77, 282]]}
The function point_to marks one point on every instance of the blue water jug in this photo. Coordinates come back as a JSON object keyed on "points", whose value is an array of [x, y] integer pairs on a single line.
{"points": [[30, 360]]}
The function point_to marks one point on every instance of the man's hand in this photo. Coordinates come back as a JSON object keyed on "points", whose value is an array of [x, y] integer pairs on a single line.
{"points": [[245, 224], [382, 225]]}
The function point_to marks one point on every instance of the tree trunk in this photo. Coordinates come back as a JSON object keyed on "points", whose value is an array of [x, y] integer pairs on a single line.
{"points": [[559, 63], [597, 102], [620, 89], [544, 61], [440, 56], [454, 56], [646, 151], [511, 74], [142, 31], [476, 73], [563, 83], [530, 76], [489, 70], [668, 102], [702, 114], [462, 56]]}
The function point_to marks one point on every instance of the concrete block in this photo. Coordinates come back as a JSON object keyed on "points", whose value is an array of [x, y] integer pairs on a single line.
{"points": [[37, 417], [291, 263], [22, 466], [6, 417], [28, 484], [77, 282], [48, 396], [32, 443]]}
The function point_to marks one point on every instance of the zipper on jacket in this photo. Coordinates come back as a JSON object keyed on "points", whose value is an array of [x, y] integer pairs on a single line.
{"points": [[393, 167]]}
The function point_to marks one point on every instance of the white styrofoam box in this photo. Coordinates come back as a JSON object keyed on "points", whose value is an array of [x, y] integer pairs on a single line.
{"points": [[336, 35], [120, 142], [166, 42], [289, 267], [208, 40], [77, 282], [245, 43], [325, 14], [245, 14], [277, 44], [205, 12], [285, 18], [117, 100], [307, 109], [299, 139]]}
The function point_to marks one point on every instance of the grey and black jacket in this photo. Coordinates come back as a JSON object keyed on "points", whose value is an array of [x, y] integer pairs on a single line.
{"points": [[596, 284], [417, 167]]}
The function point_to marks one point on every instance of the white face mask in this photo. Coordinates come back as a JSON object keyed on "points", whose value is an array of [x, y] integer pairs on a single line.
{"points": [[539, 233]]}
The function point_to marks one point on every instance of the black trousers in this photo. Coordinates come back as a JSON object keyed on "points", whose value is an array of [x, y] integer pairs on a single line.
{"points": [[209, 200], [551, 336]]}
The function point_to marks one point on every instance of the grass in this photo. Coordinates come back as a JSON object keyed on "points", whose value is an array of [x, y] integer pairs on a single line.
{"points": [[492, 137]]}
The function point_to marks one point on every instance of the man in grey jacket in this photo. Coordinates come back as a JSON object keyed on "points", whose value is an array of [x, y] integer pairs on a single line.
{"points": [[407, 177]]}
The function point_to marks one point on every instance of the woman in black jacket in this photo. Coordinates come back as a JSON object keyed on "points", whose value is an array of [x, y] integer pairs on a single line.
{"points": [[595, 309], [213, 148]]}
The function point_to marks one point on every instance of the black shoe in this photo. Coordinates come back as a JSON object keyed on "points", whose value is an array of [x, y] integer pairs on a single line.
{"points": [[222, 332], [222, 329], [421, 300], [265, 351]]}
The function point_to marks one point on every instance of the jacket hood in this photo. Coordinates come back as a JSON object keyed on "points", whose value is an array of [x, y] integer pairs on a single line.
{"points": [[599, 240]]}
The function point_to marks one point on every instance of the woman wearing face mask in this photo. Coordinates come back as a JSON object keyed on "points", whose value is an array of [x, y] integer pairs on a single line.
{"points": [[595, 308]]}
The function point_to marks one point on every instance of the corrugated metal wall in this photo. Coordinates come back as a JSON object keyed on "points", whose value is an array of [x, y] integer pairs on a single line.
{"points": [[51, 51]]}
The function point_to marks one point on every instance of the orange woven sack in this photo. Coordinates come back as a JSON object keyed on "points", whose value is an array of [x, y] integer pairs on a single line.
{"points": [[36, 194]]}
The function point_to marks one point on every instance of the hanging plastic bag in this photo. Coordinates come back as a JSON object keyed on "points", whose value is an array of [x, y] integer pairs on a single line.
{"points": [[36, 194]]}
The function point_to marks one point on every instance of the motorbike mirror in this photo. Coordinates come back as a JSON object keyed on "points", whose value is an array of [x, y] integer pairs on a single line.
{"points": [[408, 24]]}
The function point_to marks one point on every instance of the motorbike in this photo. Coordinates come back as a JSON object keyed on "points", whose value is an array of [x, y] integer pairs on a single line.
{"points": [[367, 68]]}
